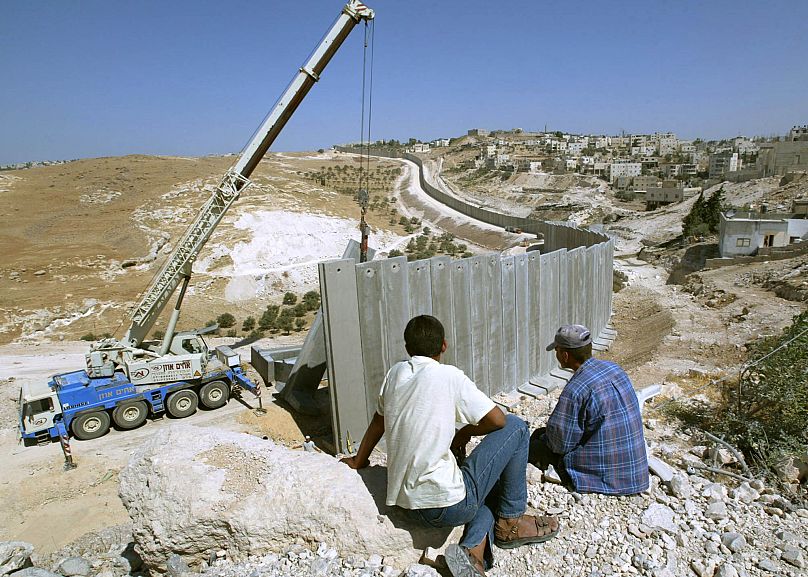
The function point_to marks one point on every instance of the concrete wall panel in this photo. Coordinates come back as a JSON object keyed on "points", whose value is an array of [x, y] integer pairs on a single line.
{"points": [[479, 322], [440, 273], [461, 306], [509, 321], [494, 316], [522, 317], [343, 340]]}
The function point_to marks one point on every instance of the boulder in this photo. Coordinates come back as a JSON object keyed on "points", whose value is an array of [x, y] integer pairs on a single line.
{"points": [[192, 490], [14, 555], [74, 567], [660, 517]]}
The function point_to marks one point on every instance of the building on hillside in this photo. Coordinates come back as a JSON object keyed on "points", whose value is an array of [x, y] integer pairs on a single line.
{"points": [[624, 168], [723, 162], [478, 132], [601, 169], [799, 208], [644, 182], [420, 147], [441, 142], [575, 148], [798, 133], [601, 142], [746, 232], [669, 193], [782, 157], [622, 183]]}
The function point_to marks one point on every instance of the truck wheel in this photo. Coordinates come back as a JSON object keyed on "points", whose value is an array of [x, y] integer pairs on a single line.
{"points": [[182, 403], [214, 394], [90, 425], [130, 415]]}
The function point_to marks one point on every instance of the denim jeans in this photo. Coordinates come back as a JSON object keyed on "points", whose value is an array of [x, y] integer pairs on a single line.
{"points": [[494, 474]]}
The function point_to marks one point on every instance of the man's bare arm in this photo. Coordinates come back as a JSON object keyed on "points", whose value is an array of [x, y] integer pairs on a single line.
{"points": [[492, 421], [371, 438]]}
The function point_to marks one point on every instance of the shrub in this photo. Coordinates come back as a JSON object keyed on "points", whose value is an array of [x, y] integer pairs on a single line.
{"points": [[312, 300], [300, 310], [231, 333], [226, 320], [394, 253], [88, 337], [763, 413], [285, 323], [267, 319], [289, 298], [300, 324], [248, 324]]}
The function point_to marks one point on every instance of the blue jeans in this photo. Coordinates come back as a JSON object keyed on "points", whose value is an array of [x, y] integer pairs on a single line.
{"points": [[494, 474]]}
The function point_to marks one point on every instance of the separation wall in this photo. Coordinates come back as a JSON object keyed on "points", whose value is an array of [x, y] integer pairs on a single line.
{"points": [[499, 311]]}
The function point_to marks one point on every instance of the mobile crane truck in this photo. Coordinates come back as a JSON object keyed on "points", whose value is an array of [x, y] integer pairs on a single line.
{"points": [[127, 380]]}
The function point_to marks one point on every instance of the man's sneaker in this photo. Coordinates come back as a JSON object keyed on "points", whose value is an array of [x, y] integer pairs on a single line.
{"points": [[461, 563], [510, 533]]}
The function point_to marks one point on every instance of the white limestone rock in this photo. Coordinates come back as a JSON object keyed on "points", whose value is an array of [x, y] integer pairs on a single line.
{"points": [[680, 487], [735, 542], [74, 567], [715, 492], [192, 491], [660, 517], [727, 570], [716, 511], [745, 493], [14, 555]]}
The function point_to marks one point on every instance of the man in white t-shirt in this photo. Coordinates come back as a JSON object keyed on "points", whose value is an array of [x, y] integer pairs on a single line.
{"points": [[419, 404]]}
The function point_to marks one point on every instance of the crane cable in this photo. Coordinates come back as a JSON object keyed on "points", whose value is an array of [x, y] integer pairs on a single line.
{"points": [[363, 195]]}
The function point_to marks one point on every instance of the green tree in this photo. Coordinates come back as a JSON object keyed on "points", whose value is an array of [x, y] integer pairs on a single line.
{"points": [[300, 324], [300, 309], [226, 320], [248, 325], [285, 323], [289, 298], [394, 253], [267, 320], [712, 210], [312, 300]]}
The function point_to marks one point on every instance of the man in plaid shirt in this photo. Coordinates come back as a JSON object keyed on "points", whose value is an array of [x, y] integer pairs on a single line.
{"points": [[594, 438]]}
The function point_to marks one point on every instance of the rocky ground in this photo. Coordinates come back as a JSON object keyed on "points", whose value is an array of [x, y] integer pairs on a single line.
{"points": [[684, 336]]}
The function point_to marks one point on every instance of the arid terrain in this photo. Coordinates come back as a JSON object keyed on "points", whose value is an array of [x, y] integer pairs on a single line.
{"points": [[69, 229]]}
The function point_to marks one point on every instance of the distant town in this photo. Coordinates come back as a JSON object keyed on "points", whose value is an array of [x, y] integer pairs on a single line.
{"points": [[633, 162]]}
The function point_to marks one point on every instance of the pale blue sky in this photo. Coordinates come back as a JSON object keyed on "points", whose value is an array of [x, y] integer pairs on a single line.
{"points": [[107, 78]]}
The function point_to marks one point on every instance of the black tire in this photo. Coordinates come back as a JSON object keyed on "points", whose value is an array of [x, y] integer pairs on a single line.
{"points": [[182, 403], [214, 394], [90, 425], [130, 415]]}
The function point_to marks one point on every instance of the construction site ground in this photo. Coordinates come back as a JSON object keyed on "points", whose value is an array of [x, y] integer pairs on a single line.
{"points": [[77, 222]]}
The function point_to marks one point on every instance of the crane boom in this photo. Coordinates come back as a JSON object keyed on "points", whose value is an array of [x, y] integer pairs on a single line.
{"points": [[236, 179]]}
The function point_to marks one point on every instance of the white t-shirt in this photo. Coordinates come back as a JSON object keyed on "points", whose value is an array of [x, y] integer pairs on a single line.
{"points": [[421, 400]]}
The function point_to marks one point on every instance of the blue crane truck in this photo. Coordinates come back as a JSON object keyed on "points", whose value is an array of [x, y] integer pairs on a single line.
{"points": [[84, 403]]}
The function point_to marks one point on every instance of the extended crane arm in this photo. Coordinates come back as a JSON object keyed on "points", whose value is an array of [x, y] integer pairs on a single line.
{"points": [[236, 179]]}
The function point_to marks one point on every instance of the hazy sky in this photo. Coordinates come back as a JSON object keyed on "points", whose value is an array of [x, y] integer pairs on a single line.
{"points": [[107, 78]]}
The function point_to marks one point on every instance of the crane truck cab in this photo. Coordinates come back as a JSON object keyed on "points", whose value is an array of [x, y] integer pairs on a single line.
{"points": [[39, 407]]}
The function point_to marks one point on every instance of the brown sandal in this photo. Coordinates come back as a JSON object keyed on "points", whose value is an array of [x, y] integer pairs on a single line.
{"points": [[461, 563], [510, 533]]}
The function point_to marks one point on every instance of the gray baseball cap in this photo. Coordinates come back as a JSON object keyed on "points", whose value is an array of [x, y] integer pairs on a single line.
{"points": [[571, 337]]}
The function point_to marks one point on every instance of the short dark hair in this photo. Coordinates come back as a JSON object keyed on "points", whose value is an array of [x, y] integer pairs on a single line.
{"points": [[424, 336], [580, 354]]}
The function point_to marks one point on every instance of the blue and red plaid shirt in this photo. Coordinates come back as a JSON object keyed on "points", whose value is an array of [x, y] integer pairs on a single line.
{"points": [[597, 428]]}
